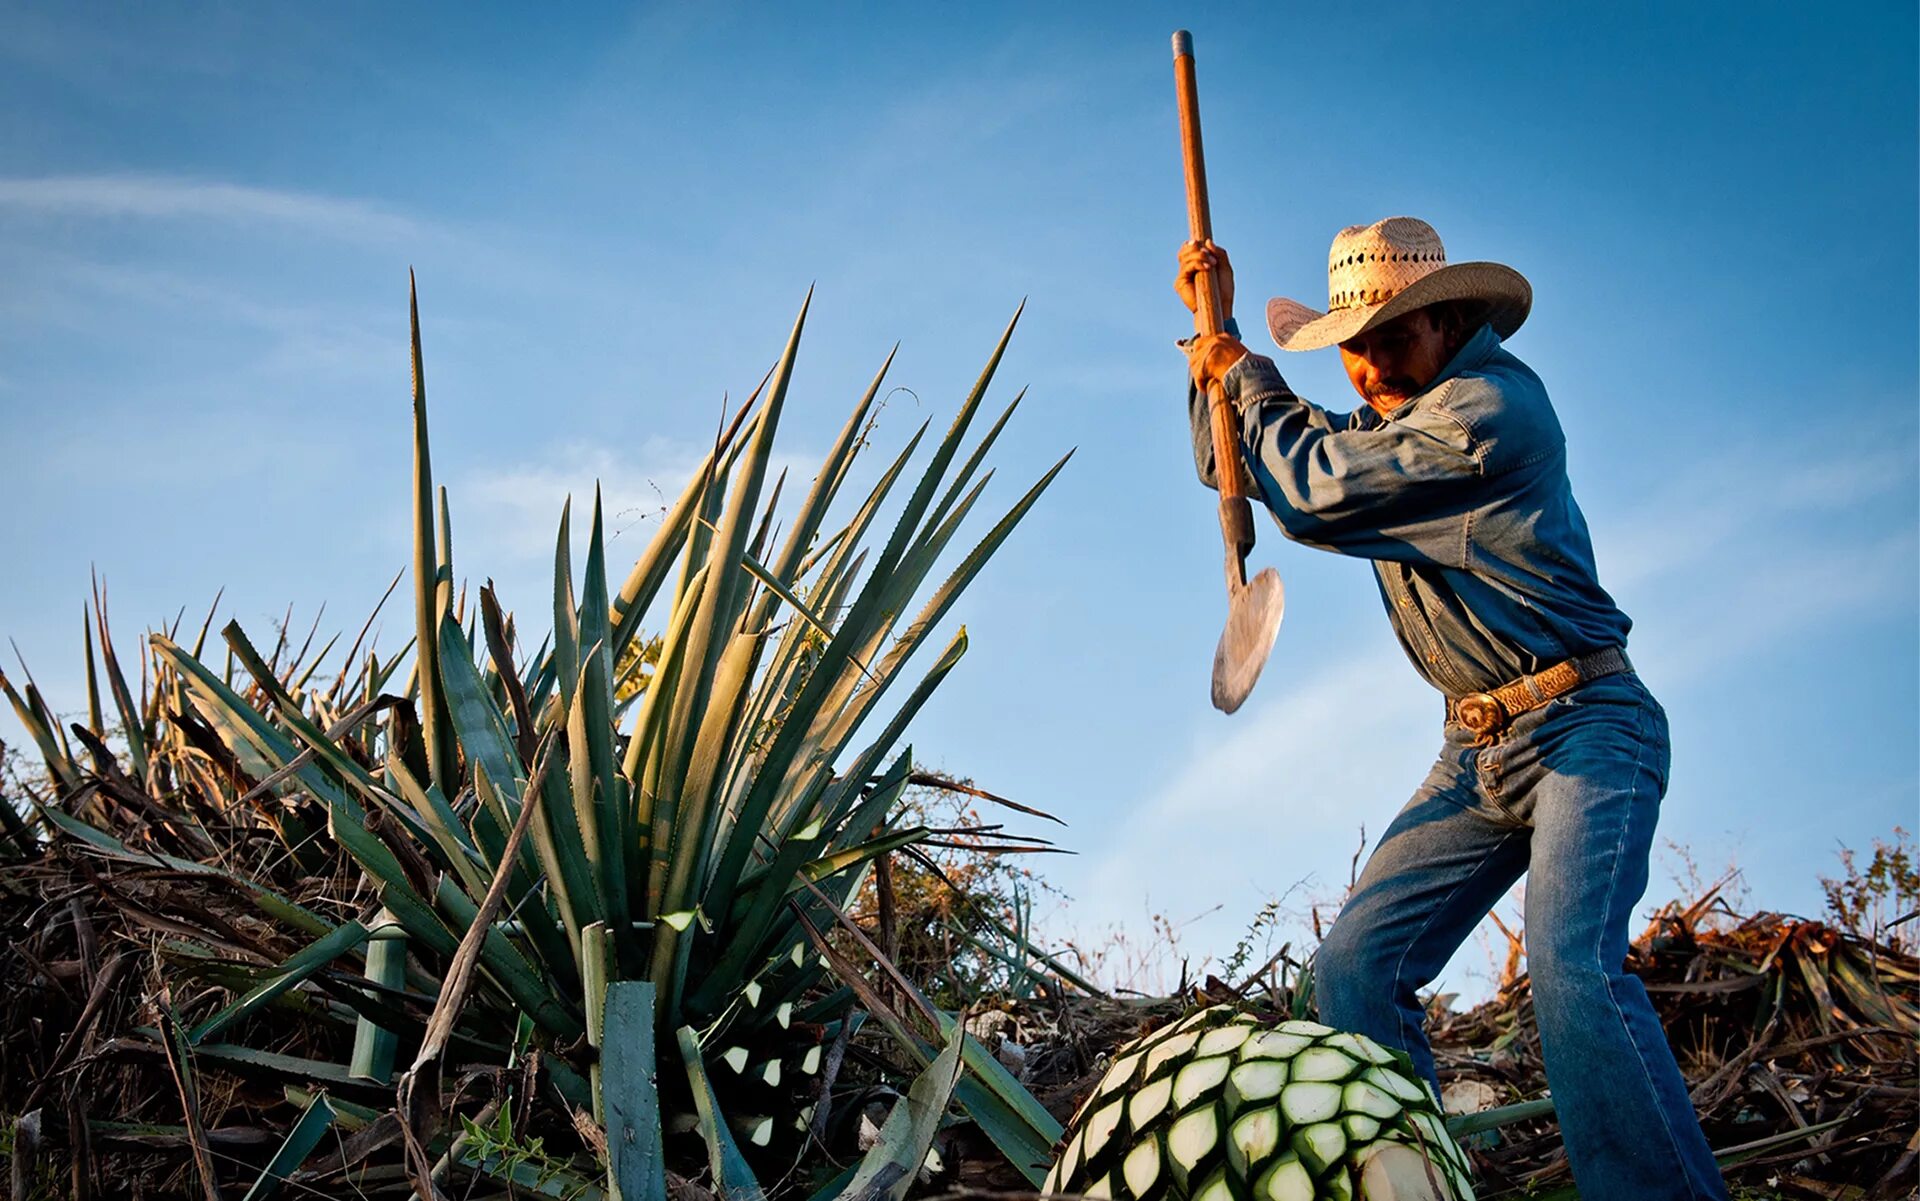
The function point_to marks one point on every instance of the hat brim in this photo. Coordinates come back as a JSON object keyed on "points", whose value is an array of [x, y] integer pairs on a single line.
{"points": [[1506, 293]]}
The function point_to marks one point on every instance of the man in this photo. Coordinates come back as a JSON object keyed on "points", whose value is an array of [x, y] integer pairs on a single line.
{"points": [[1452, 479]]}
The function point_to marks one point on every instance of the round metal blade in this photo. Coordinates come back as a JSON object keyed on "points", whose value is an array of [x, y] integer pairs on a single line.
{"points": [[1253, 621]]}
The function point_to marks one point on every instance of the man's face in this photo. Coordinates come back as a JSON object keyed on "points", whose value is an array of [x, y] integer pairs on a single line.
{"points": [[1390, 364]]}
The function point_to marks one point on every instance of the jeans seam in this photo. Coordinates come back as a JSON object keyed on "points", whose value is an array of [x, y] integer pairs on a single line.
{"points": [[1406, 948], [1619, 1014]]}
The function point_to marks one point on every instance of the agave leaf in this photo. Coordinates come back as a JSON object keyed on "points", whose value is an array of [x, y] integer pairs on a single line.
{"points": [[518, 975], [566, 616], [341, 940], [555, 948], [816, 870], [427, 593], [725, 707], [656, 809], [443, 555], [523, 1178], [847, 545], [299, 685], [837, 577], [1025, 1145], [973, 462], [374, 856], [906, 581], [302, 1139], [653, 708], [596, 970], [475, 720], [761, 898], [273, 745], [892, 1163], [590, 756], [349, 999], [867, 611], [442, 825], [636, 1161], [540, 685], [33, 716], [1017, 1123], [719, 610], [374, 1044], [95, 720], [133, 728], [887, 589], [826, 485], [324, 748], [847, 793], [307, 1072], [866, 685], [499, 630], [731, 1175], [1461, 1125], [594, 621], [765, 575], [561, 849], [943, 454]]}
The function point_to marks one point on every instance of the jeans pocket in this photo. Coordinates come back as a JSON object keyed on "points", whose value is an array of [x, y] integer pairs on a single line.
{"points": [[1487, 773]]}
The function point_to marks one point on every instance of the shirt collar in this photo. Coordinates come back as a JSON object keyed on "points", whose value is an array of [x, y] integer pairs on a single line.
{"points": [[1471, 356]]}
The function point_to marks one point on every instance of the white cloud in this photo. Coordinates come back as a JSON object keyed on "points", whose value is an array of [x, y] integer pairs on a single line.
{"points": [[1275, 797], [513, 511], [170, 197], [1790, 588], [1751, 545], [1718, 500]]}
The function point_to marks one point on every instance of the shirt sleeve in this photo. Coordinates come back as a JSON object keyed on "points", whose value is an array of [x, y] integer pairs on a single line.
{"points": [[1397, 490], [1201, 423]]}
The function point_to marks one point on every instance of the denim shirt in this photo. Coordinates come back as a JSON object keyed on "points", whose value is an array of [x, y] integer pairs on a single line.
{"points": [[1459, 496]]}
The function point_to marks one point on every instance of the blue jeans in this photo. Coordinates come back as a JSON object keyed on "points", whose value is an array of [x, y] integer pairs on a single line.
{"points": [[1569, 794]]}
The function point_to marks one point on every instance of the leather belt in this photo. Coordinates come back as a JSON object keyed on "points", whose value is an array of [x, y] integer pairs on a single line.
{"points": [[1487, 713]]}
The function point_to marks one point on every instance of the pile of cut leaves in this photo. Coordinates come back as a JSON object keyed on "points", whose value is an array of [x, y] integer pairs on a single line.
{"points": [[1798, 1041]]}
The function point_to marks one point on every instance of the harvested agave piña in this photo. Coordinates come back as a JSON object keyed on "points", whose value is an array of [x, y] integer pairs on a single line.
{"points": [[1223, 1107]]}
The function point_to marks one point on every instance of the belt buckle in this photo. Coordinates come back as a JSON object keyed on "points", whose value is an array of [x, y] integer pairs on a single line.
{"points": [[1481, 713]]}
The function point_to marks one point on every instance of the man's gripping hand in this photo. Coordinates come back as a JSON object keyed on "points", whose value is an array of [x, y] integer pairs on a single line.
{"points": [[1209, 358], [1196, 257]]}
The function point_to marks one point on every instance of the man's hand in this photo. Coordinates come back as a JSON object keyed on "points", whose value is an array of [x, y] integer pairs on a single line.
{"points": [[1211, 357], [1196, 257]]}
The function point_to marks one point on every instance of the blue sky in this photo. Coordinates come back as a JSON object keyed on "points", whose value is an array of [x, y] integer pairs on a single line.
{"points": [[207, 213]]}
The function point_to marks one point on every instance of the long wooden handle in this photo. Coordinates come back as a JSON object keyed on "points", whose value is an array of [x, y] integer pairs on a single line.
{"points": [[1207, 317]]}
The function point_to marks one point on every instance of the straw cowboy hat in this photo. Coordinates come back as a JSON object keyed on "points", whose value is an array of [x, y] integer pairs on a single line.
{"points": [[1381, 271]]}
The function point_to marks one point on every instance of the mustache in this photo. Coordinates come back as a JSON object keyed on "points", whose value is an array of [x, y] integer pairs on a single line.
{"points": [[1398, 385]]}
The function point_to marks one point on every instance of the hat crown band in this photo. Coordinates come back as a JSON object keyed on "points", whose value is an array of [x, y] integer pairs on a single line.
{"points": [[1369, 264]]}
